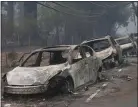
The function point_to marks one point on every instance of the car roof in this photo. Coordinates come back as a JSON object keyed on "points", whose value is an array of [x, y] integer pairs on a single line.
{"points": [[98, 39], [56, 48]]}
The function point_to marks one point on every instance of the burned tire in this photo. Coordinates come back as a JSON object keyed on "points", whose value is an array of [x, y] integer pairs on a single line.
{"points": [[67, 86], [54, 86]]}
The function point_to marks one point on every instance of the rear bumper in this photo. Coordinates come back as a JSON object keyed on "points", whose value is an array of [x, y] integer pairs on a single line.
{"points": [[25, 89]]}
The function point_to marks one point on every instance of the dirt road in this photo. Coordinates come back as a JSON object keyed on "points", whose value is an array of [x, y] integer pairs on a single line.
{"points": [[121, 91]]}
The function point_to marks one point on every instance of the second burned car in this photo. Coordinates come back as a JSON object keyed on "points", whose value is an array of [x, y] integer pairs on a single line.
{"points": [[106, 49], [127, 44], [62, 68]]}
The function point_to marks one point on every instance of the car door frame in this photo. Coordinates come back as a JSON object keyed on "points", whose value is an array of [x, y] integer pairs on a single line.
{"points": [[78, 74], [92, 63]]}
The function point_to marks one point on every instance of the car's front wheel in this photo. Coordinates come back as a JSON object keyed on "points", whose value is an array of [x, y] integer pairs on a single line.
{"points": [[67, 86]]}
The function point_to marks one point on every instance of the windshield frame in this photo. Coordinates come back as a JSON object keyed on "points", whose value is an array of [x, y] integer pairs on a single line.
{"points": [[41, 51], [124, 41], [90, 43]]}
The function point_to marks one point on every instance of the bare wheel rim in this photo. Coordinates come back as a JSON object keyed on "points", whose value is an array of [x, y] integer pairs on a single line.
{"points": [[67, 87]]}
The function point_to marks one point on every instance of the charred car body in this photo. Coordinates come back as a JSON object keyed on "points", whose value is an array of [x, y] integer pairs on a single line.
{"points": [[106, 49], [128, 45], [62, 68]]}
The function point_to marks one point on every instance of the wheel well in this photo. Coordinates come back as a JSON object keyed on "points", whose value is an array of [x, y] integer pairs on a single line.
{"points": [[59, 82], [56, 78], [70, 79], [100, 69], [61, 79]]}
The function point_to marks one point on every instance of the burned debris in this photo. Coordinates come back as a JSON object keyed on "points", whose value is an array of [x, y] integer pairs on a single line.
{"points": [[65, 68]]}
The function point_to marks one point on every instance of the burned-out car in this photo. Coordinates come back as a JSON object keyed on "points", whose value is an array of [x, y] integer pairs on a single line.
{"points": [[127, 44], [63, 68], [106, 49]]}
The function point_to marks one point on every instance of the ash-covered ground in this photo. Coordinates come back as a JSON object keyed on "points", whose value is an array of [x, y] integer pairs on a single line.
{"points": [[118, 88]]}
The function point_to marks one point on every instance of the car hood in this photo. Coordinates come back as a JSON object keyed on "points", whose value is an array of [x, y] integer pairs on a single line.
{"points": [[31, 75], [105, 53]]}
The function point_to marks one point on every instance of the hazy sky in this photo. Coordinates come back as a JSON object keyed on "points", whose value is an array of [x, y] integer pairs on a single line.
{"points": [[131, 28]]}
